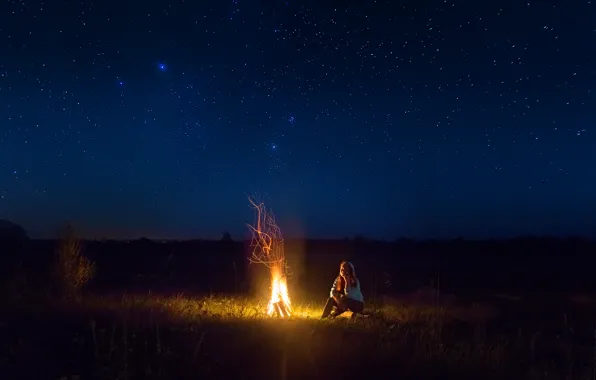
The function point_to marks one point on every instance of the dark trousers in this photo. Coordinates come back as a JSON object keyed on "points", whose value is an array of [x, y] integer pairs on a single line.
{"points": [[345, 304]]}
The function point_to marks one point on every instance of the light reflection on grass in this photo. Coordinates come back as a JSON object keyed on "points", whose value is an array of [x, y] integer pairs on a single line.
{"points": [[224, 307]]}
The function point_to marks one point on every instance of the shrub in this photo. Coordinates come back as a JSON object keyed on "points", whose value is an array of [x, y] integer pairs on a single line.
{"points": [[72, 269]]}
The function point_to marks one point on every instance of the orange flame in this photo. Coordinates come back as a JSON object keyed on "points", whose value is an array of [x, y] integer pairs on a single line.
{"points": [[280, 299]]}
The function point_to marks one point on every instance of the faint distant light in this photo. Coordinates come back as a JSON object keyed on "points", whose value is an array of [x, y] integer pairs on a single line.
{"points": [[162, 66], [120, 83], [274, 146]]}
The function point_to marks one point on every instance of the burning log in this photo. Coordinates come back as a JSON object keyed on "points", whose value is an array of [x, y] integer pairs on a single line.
{"points": [[281, 309], [268, 249]]}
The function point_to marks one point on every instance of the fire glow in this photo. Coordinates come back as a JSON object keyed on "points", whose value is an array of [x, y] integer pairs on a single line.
{"points": [[279, 303], [268, 249]]}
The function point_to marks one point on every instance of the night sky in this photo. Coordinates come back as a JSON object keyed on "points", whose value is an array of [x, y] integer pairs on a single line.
{"points": [[384, 119]]}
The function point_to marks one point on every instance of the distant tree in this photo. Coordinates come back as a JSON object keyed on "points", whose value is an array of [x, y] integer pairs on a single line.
{"points": [[12, 231], [72, 270], [227, 237]]}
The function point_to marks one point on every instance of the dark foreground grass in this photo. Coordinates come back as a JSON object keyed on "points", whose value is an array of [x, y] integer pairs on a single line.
{"points": [[216, 338]]}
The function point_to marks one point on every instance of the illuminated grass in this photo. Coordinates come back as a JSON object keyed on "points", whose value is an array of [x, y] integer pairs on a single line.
{"points": [[223, 307], [391, 330], [191, 308], [199, 336]]}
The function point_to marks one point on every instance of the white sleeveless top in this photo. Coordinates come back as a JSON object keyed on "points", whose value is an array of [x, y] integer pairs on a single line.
{"points": [[354, 292]]}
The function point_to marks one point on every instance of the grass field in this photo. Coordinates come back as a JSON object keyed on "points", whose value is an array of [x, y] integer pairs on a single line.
{"points": [[147, 336]]}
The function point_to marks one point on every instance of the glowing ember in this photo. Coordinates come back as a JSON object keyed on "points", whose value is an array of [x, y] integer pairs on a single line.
{"points": [[268, 249]]}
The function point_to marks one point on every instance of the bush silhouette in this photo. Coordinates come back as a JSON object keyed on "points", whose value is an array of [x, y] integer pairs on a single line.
{"points": [[12, 231], [72, 270]]}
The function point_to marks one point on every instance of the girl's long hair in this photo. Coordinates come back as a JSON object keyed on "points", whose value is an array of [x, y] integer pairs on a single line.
{"points": [[349, 267]]}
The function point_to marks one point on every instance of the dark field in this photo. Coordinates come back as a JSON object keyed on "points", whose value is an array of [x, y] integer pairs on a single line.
{"points": [[133, 321]]}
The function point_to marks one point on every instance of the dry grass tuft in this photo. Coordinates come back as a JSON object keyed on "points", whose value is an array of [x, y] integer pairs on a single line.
{"points": [[72, 270]]}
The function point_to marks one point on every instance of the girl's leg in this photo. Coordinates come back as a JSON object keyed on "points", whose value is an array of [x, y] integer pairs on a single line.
{"points": [[341, 307], [328, 307], [354, 306], [339, 310]]}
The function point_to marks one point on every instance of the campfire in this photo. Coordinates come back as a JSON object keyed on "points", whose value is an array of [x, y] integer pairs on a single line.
{"points": [[268, 249]]}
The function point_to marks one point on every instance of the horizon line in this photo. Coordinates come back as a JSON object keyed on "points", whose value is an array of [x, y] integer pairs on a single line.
{"points": [[355, 238]]}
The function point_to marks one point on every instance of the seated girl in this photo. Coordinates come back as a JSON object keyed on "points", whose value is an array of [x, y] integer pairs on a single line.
{"points": [[345, 293]]}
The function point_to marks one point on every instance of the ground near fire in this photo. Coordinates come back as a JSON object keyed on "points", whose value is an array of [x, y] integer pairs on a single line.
{"points": [[199, 309]]}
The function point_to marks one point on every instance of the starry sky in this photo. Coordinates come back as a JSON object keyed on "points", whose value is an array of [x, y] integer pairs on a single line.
{"points": [[384, 119]]}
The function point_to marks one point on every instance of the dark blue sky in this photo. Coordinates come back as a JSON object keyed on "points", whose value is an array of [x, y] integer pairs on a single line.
{"points": [[378, 118]]}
